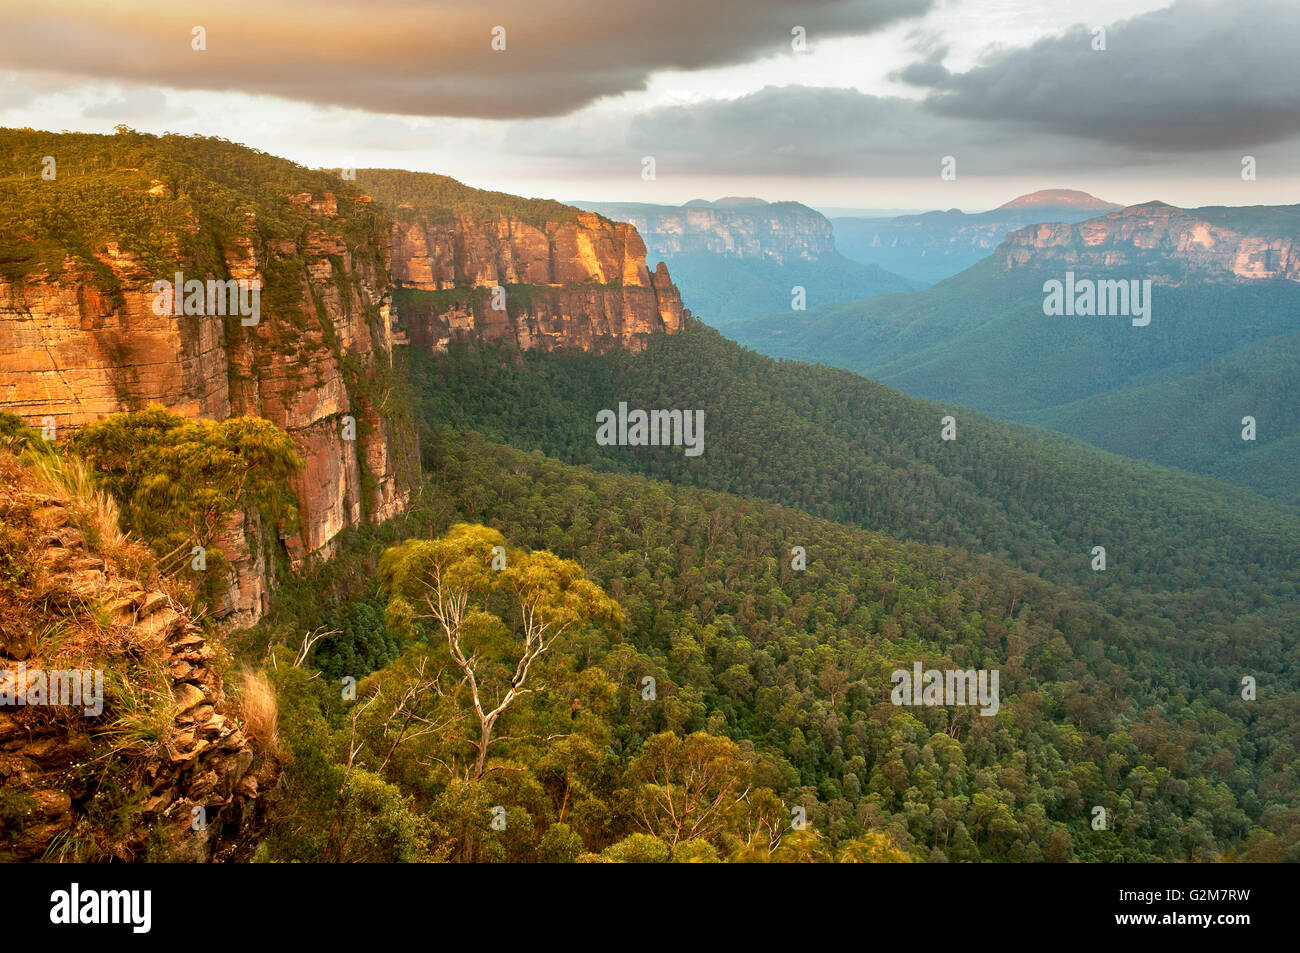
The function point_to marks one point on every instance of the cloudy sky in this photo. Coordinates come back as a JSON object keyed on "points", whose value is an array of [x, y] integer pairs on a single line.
{"points": [[722, 93]]}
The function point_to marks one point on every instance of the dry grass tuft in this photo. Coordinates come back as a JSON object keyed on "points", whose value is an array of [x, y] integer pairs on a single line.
{"points": [[259, 711], [92, 509]]}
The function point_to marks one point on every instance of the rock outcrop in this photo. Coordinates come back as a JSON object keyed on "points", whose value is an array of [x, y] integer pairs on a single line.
{"points": [[1167, 244], [185, 785], [83, 333], [581, 283], [84, 342]]}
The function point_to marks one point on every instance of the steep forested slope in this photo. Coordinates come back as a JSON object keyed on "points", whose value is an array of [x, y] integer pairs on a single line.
{"points": [[982, 340], [793, 667], [441, 198], [848, 449], [723, 288], [1195, 420], [165, 200]]}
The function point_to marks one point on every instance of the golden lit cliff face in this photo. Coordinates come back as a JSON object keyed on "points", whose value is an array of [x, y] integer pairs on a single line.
{"points": [[1157, 238], [439, 256], [586, 258], [73, 350], [589, 287]]}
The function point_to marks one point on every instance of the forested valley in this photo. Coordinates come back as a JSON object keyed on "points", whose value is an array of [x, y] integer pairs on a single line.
{"points": [[770, 685]]}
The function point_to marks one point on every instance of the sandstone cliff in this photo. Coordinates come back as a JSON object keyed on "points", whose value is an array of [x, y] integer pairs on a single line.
{"points": [[582, 283], [165, 770], [80, 339], [81, 335], [568, 278], [1167, 244]]}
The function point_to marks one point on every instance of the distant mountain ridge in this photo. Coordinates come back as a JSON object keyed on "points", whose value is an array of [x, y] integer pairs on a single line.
{"points": [[735, 227], [741, 256], [1168, 244], [930, 247], [727, 201], [1057, 199], [1222, 344]]}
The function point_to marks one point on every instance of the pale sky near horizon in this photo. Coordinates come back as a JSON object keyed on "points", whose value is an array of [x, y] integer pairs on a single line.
{"points": [[1013, 89]]}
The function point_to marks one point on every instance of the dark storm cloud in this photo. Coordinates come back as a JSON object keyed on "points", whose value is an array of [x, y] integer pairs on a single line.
{"points": [[798, 128], [1197, 76], [430, 58], [815, 130]]}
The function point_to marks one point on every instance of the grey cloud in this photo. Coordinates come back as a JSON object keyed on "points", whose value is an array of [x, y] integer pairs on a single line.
{"points": [[814, 130], [1197, 76], [15, 93], [21, 90], [141, 102], [423, 58], [927, 72], [382, 132]]}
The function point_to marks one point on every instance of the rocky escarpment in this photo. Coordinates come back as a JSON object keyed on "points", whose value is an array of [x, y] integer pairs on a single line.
{"points": [[165, 769], [935, 245], [581, 283], [780, 232], [1167, 244], [81, 339]]}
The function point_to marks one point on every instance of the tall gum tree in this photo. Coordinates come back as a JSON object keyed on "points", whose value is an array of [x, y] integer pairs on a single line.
{"points": [[497, 620]]}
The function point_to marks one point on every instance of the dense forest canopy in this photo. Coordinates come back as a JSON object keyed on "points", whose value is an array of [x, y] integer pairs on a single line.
{"points": [[440, 198], [792, 668], [1121, 692], [851, 450], [166, 199]]}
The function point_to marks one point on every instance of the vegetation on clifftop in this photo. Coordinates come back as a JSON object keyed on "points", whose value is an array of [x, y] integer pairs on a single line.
{"points": [[166, 199], [440, 199]]}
